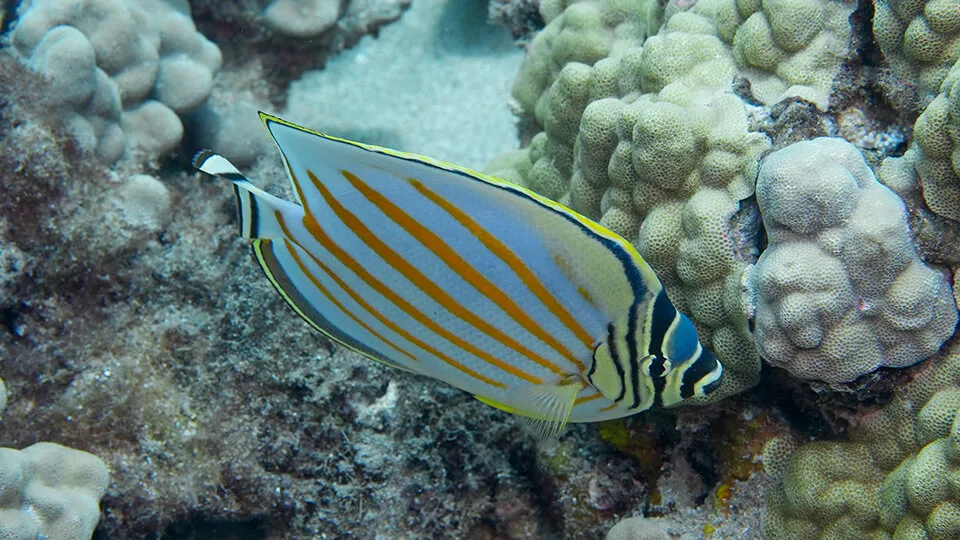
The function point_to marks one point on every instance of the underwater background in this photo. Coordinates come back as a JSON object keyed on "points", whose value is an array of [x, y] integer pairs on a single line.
{"points": [[790, 169]]}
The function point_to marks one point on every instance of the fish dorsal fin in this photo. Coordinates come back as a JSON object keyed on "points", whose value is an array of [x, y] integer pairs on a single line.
{"points": [[273, 123], [547, 406]]}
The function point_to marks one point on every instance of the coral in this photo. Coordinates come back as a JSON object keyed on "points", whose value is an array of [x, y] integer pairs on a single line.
{"points": [[937, 239], [126, 70], [938, 158], [581, 31], [784, 48], [840, 290], [301, 18], [648, 139], [895, 476], [307, 19], [640, 528], [920, 40], [50, 491], [142, 202], [285, 38]]}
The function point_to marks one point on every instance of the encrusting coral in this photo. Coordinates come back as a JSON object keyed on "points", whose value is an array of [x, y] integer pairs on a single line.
{"points": [[786, 48], [840, 291]]}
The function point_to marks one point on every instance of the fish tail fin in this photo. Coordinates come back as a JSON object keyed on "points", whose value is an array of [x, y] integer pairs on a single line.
{"points": [[258, 211], [548, 407]]}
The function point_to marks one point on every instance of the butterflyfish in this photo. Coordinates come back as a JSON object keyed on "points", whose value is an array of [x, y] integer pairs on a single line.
{"points": [[463, 277]]}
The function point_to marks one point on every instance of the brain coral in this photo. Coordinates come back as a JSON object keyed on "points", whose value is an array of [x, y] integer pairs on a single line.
{"points": [[840, 290], [898, 476], [125, 69], [920, 39]]}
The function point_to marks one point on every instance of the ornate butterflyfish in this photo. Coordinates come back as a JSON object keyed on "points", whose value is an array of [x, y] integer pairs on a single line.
{"points": [[454, 274]]}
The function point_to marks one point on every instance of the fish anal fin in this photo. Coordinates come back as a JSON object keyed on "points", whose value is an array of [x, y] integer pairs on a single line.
{"points": [[547, 406]]}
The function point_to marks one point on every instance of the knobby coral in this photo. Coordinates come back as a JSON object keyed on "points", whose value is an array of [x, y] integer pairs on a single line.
{"points": [[896, 476], [50, 491], [127, 70], [840, 290]]}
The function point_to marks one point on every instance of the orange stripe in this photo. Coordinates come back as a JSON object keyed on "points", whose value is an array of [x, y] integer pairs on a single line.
{"points": [[581, 400], [320, 236], [513, 261], [418, 279], [330, 297], [467, 272], [609, 407], [382, 289]]}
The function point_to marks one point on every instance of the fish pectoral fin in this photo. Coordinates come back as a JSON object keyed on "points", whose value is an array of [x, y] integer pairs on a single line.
{"points": [[548, 406]]}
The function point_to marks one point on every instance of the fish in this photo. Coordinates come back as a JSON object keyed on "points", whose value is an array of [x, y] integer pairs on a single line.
{"points": [[439, 270]]}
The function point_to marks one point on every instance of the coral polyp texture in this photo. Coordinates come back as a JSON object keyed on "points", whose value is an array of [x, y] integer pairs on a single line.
{"points": [[937, 136], [582, 31], [840, 290], [895, 478], [125, 70], [649, 139], [50, 491], [920, 40], [786, 48]]}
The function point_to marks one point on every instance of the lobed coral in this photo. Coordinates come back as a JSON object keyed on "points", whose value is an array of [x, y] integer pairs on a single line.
{"points": [[308, 19], [284, 38], [785, 48], [649, 131], [840, 290], [50, 491], [937, 137], [895, 477], [127, 70], [920, 40], [648, 141], [301, 18], [581, 31]]}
